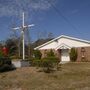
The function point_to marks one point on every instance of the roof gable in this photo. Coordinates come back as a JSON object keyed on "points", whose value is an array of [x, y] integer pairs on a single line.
{"points": [[63, 37], [62, 46]]}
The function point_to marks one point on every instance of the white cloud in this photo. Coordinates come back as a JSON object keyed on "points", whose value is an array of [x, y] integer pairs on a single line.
{"points": [[14, 7], [41, 4], [35, 4]]}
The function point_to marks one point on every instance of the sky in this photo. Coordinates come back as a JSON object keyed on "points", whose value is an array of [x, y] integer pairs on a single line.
{"points": [[60, 17]]}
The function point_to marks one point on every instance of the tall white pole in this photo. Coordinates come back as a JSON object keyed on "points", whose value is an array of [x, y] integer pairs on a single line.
{"points": [[23, 19], [23, 37], [23, 45]]}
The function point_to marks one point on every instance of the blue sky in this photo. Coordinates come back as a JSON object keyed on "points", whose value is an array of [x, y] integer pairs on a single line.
{"points": [[67, 17]]}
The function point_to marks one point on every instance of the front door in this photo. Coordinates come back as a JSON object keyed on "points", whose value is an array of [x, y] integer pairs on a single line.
{"points": [[65, 55]]}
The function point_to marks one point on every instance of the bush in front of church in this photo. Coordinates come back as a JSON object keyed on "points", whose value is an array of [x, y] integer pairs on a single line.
{"points": [[73, 54], [49, 62]]}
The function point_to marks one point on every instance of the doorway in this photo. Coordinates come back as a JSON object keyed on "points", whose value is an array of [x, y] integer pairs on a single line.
{"points": [[65, 55]]}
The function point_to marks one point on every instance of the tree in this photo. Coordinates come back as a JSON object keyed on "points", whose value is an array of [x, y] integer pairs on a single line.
{"points": [[73, 54], [37, 54], [12, 46], [50, 35]]}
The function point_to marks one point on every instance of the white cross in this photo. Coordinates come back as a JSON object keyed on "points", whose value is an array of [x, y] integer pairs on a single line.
{"points": [[23, 27]]}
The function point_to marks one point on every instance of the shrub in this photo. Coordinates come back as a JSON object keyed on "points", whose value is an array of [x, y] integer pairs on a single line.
{"points": [[5, 67], [7, 60], [50, 53], [1, 60], [5, 63], [73, 54], [37, 54], [49, 64], [36, 62], [1, 54], [51, 56], [52, 59], [4, 59]]}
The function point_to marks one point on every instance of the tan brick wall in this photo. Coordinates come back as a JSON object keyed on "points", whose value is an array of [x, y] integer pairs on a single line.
{"points": [[86, 54], [79, 51]]}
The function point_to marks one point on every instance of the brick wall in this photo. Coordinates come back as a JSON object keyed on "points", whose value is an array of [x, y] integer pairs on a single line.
{"points": [[82, 56]]}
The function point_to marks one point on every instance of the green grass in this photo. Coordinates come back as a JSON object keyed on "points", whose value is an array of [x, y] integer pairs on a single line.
{"points": [[72, 76]]}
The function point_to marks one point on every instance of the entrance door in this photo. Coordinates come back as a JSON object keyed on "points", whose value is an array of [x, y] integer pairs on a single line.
{"points": [[65, 55]]}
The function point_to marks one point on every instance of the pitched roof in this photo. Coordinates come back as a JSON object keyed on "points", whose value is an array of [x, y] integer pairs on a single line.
{"points": [[63, 36]]}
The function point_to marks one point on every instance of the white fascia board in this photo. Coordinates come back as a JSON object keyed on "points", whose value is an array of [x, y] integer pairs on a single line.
{"points": [[76, 39]]}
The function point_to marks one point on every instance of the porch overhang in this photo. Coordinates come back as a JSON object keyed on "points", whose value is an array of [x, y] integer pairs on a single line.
{"points": [[62, 46]]}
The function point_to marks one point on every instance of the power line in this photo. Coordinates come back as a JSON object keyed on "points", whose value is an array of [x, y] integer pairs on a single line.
{"points": [[65, 18]]}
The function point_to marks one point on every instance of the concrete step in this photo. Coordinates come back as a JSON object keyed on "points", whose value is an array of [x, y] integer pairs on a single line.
{"points": [[63, 62]]}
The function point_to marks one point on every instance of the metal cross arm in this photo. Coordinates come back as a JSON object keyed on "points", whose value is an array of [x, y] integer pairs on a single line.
{"points": [[23, 27], [29, 25], [17, 28]]}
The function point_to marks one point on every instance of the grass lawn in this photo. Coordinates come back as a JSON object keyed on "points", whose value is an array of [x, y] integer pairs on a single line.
{"points": [[72, 76]]}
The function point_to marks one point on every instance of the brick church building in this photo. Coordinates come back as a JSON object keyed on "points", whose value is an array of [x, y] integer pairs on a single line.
{"points": [[62, 45]]}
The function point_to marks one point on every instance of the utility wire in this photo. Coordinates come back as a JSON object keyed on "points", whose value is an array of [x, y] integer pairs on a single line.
{"points": [[65, 18]]}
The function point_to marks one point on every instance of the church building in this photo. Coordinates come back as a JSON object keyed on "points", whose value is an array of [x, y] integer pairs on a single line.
{"points": [[62, 45]]}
